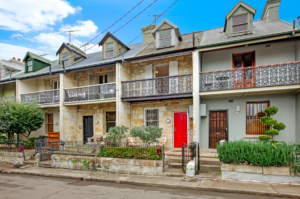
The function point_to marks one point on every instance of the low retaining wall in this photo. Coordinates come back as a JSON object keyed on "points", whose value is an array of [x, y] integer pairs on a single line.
{"points": [[15, 157], [110, 165], [259, 173]]}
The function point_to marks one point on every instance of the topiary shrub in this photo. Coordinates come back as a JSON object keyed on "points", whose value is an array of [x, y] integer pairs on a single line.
{"points": [[147, 134], [115, 134], [275, 127]]}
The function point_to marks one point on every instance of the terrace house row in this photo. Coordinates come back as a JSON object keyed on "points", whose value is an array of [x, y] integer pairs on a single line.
{"points": [[202, 86]]}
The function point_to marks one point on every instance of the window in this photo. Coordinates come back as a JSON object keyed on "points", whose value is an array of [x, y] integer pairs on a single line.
{"points": [[240, 23], [55, 85], [65, 59], [102, 79], [110, 120], [76, 57], [255, 110], [243, 78], [29, 66], [162, 70], [109, 48], [151, 117], [165, 38]]}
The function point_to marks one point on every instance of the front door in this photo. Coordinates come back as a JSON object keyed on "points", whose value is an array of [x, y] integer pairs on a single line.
{"points": [[88, 128], [218, 129], [180, 129], [50, 123]]}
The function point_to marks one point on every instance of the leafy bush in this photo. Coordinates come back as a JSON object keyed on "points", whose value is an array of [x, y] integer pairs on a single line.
{"points": [[256, 153], [147, 134], [130, 153], [275, 127], [115, 134], [30, 143]]}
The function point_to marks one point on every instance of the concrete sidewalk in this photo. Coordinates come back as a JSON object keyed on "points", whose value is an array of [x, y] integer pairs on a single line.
{"points": [[228, 186]]}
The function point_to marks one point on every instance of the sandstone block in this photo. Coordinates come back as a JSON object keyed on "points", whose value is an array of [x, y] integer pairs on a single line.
{"points": [[280, 171]]}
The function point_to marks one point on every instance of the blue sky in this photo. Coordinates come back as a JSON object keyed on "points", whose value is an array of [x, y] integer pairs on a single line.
{"points": [[38, 25]]}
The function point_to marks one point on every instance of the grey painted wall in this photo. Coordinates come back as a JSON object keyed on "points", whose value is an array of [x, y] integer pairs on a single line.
{"points": [[297, 43], [279, 52], [237, 122], [298, 117]]}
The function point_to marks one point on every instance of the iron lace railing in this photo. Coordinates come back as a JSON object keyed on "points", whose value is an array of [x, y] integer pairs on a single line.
{"points": [[252, 77], [191, 152], [13, 98], [43, 97], [101, 91], [179, 84]]}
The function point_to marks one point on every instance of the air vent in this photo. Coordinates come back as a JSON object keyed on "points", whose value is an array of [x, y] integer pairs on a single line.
{"points": [[230, 101], [268, 45]]}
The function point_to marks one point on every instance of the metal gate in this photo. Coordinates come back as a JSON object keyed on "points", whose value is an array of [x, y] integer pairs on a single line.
{"points": [[46, 148], [191, 152]]}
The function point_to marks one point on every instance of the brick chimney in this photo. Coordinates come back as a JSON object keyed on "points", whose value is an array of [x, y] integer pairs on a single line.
{"points": [[19, 59], [271, 10], [14, 58], [148, 37]]}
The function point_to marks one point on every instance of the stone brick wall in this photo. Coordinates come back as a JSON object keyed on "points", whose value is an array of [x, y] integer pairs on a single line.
{"points": [[117, 48], [166, 110], [15, 158], [185, 66]]}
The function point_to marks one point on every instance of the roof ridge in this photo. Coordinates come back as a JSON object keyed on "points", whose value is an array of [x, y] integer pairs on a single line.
{"points": [[38, 56], [76, 48]]}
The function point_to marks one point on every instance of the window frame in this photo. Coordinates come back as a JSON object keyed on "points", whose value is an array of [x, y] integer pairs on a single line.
{"points": [[243, 54], [246, 23], [106, 130], [31, 65], [64, 60], [104, 79], [76, 56], [58, 84], [145, 118], [113, 48], [159, 39], [257, 102]]}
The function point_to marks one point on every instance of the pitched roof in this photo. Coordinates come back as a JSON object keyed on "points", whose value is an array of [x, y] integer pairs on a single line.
{"points": [[71, 47], [266, 6], [34, 56], [108, 34], [170, 24]]}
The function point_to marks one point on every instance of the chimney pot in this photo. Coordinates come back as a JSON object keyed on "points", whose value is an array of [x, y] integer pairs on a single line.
{"points": [[19, 59], [14, 58]]}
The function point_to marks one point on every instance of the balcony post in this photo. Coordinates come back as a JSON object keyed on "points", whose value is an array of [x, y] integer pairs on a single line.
{"points": [[196, 97]]}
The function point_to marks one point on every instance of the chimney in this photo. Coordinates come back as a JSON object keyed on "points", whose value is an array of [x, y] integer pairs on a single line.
{"points": [[19, 59], [14, 58], [271, 10], [148, 37]]}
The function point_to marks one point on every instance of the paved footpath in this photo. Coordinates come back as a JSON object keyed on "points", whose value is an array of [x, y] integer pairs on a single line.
{"points": [[207, 185]]}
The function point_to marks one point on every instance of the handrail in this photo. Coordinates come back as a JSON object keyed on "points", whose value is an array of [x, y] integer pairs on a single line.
{"points": [[158, 78], [40, 91], [247, 68], [90, 86]]}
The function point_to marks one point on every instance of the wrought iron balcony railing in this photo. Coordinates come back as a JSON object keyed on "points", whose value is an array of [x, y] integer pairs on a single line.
{"points": [[43, 97], [2, 99], [94, 92], [252, 77], [179, 84]]}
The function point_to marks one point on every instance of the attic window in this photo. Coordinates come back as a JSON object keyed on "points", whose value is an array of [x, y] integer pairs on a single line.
{"points": [[240, 23], [109, 48], [76, 57], [29, 66], [65, 59], [165, 38]]}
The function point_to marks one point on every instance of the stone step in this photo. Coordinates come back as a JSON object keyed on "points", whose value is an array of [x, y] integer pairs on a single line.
{"points": [[210, 167], [173, 172], [45, 163], [208, 155], [29, 162], [210, 161], [210, 174], [175, 165], [208, 150], [175, 159]]}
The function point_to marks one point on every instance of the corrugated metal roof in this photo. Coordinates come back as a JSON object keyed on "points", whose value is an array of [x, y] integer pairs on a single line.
{"points": [[260, 28]]}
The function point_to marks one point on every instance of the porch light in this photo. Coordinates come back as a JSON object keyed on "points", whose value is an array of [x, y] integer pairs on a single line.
{"points": [[237, 109], [156, 71]]}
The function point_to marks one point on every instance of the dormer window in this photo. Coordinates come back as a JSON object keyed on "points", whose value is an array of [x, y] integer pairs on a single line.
{"points": [[29, 66], [240, 23], [165, 38], [65, 59], [77, 57], [109, 50]]}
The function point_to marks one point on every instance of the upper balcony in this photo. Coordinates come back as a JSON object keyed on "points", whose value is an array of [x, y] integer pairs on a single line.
{"points": [[50, 98], [90, 94], [280, 77], [13, 98], [178, 86]]}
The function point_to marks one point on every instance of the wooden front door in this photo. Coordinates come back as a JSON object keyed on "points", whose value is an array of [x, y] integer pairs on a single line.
{"points": [[218, 129], [88, 127], [50, 123], [180, 129]]}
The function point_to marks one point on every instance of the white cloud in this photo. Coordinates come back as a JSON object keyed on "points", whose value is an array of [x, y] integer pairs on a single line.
{"points": [[91, 47], [87, 28], [28, 15], [17, 35], [15, 51], [53, 40]]}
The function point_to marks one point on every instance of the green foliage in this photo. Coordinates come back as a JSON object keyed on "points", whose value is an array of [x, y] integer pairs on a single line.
{"points": [[295, 168], [115, 134], [18, 117], [147, 134], [256, 153], [130, 153], [74, 161], [30, 142], [275, 127], [3, 137], [85, 163]]}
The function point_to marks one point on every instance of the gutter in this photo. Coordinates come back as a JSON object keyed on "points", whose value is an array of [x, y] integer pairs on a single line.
{"points": [[248, 39]]}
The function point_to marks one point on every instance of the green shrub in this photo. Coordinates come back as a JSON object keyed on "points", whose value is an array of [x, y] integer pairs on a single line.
{"points": [[116, 133], [130, 153], [147, 133], [256, 153], [30, 143]]}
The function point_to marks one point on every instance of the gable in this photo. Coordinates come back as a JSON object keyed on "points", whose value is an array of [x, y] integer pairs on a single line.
{"points": [[165, 26], [240, 11]]}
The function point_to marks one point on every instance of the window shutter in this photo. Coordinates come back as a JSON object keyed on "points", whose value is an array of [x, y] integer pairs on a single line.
{"points": [[148, 71], [91, 79], [173, 67], [110, 76]]}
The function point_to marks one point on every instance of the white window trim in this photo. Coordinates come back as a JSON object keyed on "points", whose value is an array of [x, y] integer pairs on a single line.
{"points": [[150, 109], [247, 23], [109, 50], [29, 65], [58, 84], [159, 39]]}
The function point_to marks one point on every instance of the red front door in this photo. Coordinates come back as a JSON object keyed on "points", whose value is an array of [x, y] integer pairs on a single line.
{"points": [[180, 129]]}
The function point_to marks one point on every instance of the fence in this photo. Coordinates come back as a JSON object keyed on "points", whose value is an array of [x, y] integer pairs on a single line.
{"points": [[43, 97], [191, 152], [14, 146], [13, 98]]}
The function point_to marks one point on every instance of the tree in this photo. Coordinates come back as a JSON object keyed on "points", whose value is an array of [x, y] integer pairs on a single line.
{"points": [[147, 134], [275, 127], [115, 134], [20, 118]]}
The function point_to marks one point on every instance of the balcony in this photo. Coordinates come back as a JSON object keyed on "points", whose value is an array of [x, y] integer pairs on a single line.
{"points": [[49, 98], [179, 86], [13, 98], [91, 94], [253, 77]]}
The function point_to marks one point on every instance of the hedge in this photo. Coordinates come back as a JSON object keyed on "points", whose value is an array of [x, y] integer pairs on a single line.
{"points": [[130, 153], [256, 153]]}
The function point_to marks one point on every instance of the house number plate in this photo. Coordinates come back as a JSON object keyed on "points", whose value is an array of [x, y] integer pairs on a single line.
{"points": [[218, 133]]}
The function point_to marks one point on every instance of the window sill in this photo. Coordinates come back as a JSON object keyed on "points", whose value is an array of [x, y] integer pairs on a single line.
{"points": [[252, 136]]}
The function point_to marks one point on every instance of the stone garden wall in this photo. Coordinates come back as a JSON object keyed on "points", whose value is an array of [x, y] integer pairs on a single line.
{"points": [[15, 158]]}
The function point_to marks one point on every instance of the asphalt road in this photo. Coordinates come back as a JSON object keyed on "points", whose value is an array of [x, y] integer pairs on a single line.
{"points": [[36, 187]]}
